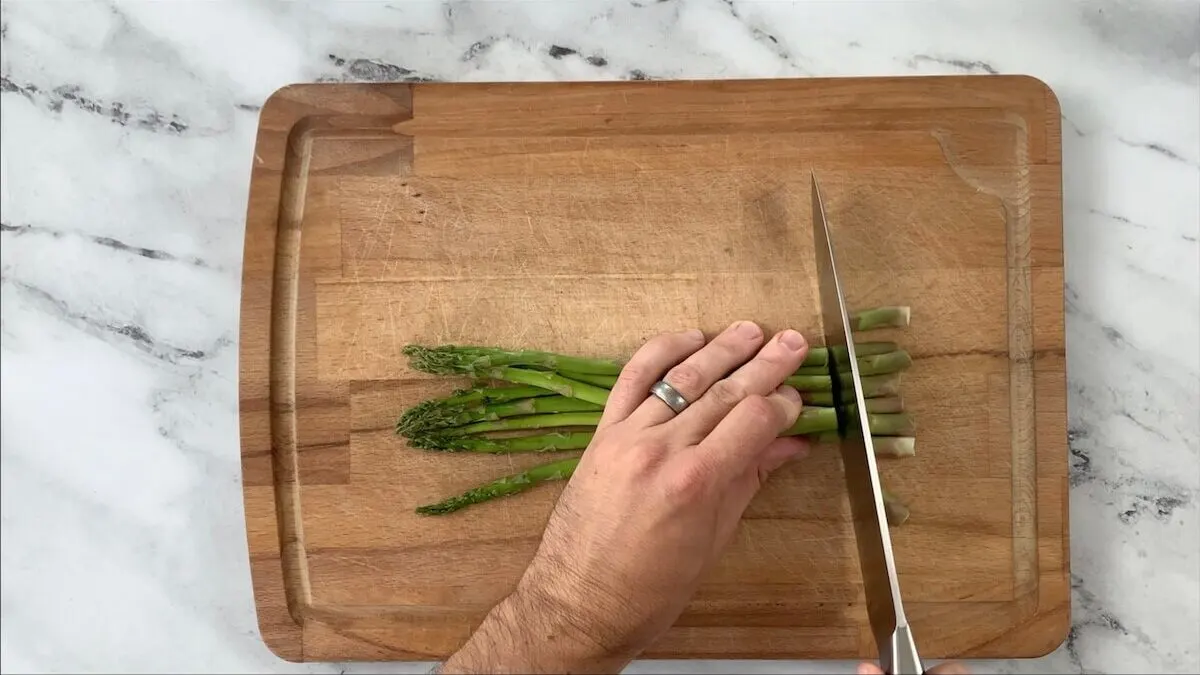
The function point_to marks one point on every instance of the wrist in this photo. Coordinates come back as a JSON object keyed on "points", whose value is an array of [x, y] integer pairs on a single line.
{"points": [[528, 632]]}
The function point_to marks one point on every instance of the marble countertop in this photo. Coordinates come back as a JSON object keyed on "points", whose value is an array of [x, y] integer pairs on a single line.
{"points": [[127, 135]]}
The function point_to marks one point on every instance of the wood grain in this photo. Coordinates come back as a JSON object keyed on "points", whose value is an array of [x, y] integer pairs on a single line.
{"points": [[588, 217]]}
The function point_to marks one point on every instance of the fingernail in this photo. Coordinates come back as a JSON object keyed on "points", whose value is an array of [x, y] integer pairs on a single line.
{"points": [[694, 334], [789, 393], [792, 340], [748, 329]]}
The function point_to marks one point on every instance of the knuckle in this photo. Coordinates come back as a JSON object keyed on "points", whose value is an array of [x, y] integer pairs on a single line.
{"points": [[686, 377], [760, 411], [688, 480], [633, 372], [728, 392], [645, 455]]}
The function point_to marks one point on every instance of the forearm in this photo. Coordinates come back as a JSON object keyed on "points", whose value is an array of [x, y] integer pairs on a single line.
{"points": [[522, 635]]}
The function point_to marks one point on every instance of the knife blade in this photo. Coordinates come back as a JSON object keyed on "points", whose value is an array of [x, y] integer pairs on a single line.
{"points": [[893, 637]]}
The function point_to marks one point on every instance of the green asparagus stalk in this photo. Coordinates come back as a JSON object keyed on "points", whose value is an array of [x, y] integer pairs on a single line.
{"points": [[882, 364], [503, 487], [810, 421], [450, 359], [606, 381], [546, 421], [805, 383], [421, 419], [880, 317], [553, 382], [484, 395], [552, 442], [873, 385], [869, 364], [897, 513], [442, 412], [817, 420]]}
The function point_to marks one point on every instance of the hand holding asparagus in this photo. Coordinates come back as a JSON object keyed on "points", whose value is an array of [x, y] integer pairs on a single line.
{"points": [[533, 401]]}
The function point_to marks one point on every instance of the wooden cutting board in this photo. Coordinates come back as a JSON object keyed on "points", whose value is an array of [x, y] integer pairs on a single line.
{"points": [[587, 217]]}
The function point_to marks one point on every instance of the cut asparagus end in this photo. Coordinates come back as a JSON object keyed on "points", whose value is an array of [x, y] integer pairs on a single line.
{"points": [[894, 446], [885, 404], [881, 364], [875, 386], [895, 510], [881, 317]]}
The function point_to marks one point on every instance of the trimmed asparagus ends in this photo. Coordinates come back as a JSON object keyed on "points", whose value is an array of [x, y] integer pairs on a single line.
{"points": [[894, 446], [881, 317], [503, 487], [897, 513]]}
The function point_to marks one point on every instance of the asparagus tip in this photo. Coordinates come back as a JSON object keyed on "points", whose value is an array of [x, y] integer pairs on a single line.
{"points": [[435, 441], [441, 360]]}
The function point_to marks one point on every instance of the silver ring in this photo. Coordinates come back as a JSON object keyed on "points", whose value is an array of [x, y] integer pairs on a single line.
{"points": [[667, 394]]}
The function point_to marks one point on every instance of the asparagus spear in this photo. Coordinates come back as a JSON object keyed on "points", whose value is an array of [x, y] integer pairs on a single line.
{"points": [[606, 381], [880, 317], [545, 421], [441, 412], [468, 359], [421, 418], [552, 442], [505, 486], [897, 512], [810, 421], [449, 359], [477, 395], [553, 382], [817, 420], [873, 385]]}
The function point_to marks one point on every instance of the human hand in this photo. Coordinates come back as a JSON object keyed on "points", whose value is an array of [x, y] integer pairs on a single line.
{"points": [[654, 500], [948, 668]]}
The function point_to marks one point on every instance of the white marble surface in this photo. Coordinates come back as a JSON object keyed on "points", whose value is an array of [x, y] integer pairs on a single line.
{"points": [[127, 135]]}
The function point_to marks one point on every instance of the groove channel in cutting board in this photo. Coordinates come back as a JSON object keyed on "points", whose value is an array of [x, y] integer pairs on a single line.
{"points": [[587, 217]]}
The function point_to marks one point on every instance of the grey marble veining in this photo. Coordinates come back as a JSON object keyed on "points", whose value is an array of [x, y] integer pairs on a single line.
{"points": [[127, 140]]}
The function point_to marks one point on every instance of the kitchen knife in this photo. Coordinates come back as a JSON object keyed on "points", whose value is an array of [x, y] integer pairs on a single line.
{"points": [[893, 638]]}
